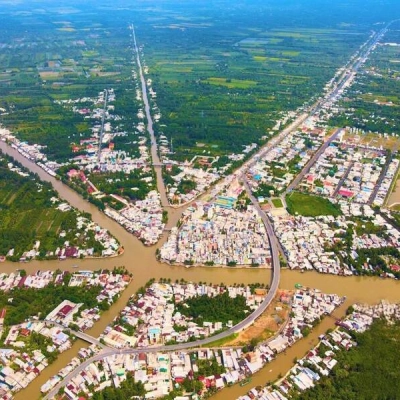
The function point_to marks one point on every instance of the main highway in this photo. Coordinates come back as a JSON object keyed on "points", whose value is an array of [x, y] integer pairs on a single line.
{"points": [[103, 117], [157, 164]]}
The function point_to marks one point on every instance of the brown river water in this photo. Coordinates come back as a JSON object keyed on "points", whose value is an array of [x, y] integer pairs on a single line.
{"points": [[140, 260]]}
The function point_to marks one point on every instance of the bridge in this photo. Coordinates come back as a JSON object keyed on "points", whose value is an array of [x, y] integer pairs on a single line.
{"points": [[81, 335]]}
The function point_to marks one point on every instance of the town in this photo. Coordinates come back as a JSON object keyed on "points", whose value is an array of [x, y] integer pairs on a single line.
{"points": [[212, 369], [32, 345]]}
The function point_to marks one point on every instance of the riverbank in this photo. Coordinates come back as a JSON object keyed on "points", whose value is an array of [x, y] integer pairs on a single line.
{"points": [[280, 365], [237, 266]]}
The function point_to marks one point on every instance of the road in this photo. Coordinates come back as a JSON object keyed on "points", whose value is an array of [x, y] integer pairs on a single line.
{"points": [[154, 149], [102, 125], [311, 162], [381, 177], [343, 178]]}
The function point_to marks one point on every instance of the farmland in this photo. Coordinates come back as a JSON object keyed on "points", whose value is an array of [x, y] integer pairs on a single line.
{"points": [[30, 213], [372, 104], [223, 81]]}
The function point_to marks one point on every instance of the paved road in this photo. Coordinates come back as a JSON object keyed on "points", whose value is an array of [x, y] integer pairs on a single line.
{"points": [[154, 149], [102, 125], [342, 179], [311, 162], [381, 177], [345, 78]]}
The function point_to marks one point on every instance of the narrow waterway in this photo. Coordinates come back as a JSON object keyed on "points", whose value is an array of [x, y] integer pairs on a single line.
{"points": [[284, 361], [141, 262]]}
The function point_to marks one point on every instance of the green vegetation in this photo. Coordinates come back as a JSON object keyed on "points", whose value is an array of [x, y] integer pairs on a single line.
{"points": [[209, 367], [127, 390], [372, 102], [185, 186], [310, 206], [223, 341], [265, 190], [220, 308], [277, 203], [223, 74], [192, 385], [27, 215], [377, 259], [28, 302], [368, 371]]}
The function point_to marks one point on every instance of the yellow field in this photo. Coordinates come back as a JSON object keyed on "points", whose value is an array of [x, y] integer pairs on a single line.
{"points": [[231, 83]]}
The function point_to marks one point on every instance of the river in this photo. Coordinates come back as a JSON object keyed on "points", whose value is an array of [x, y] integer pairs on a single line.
{"points": [[140, 260]]}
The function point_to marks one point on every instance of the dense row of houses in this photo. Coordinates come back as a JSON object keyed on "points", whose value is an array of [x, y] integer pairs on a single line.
{"points": [[306, 240], [321, 360], [217, 233], [23, 360]]}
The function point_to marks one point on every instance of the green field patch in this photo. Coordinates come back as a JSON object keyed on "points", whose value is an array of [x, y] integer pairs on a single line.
{"points": [[260, 58], [177, 69], [275, 40], [277, 59], [294, 35], [310, 206], [290, 53], [49, 74], [89, 53], [66, 29], [277, 203], [223, 341], [231, 83]]}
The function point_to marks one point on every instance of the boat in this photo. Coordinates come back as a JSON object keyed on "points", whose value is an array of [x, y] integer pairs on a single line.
{"points": [[245, 381], [298, 285], [75, 266]]}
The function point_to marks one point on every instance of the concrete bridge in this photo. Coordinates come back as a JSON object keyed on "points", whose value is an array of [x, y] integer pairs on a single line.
{"points": [[81, 335]]}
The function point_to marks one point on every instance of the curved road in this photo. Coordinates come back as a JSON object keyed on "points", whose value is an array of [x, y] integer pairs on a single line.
{"points": [[198, 343]]}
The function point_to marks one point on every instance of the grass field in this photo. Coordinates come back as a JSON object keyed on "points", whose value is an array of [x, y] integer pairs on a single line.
{"points": [[221, 342], [310, 206], [232, 83], [277, 203]]}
